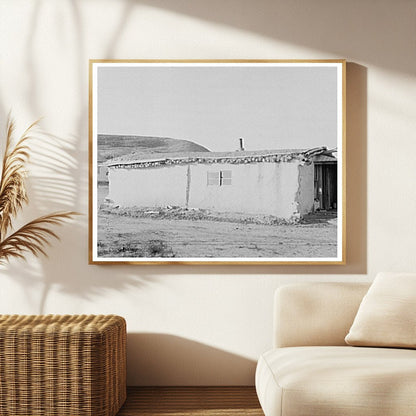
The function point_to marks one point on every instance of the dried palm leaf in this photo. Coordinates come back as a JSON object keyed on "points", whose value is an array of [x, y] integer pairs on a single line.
{"points": [[33, 237], [12, 183]]}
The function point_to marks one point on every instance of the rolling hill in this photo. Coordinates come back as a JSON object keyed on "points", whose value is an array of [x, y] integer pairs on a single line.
{"points": [[110, 146]]}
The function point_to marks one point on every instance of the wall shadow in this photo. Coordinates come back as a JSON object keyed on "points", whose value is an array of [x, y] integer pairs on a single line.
{"points": [[338, 28], [53, 186], [58, 180], [169, 360]]}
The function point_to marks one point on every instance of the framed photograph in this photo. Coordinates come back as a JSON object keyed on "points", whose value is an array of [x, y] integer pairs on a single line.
{"points": [[208, 162]]}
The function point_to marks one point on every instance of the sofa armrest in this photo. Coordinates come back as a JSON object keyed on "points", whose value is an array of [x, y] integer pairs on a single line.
{"points": [[309, 314]]}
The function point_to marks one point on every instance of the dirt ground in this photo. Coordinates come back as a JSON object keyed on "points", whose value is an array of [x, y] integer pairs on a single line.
{"points": [[172, 233]]}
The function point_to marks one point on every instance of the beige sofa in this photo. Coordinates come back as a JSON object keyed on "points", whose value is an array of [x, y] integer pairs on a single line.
{"points": [[312, 371]]}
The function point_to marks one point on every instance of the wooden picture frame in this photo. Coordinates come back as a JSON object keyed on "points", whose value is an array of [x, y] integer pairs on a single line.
{"points": [[217, 162]]}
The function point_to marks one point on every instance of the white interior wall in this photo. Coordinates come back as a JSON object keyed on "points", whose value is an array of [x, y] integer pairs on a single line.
{"points": [[204, 325]]}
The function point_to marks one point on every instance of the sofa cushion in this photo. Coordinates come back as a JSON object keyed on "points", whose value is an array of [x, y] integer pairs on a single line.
{"points": [[387, 314], [342, 381], [315, 314]]}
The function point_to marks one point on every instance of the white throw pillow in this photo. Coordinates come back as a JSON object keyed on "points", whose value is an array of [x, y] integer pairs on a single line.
{"points": [[387, 314]]}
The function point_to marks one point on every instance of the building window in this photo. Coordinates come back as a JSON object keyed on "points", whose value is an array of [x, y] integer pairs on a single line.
{"points": [[213, 178], [219, 178], [225, 177]]}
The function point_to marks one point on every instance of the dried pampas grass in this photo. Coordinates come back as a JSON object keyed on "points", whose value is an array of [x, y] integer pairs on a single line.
{"points": [[34, 236]]}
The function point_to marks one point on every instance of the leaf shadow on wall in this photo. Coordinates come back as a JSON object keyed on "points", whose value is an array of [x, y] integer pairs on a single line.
{"points": [[59, 181], [164, 359], [52, 187]]}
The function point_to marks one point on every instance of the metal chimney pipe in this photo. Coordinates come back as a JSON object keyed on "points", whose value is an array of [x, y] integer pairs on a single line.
{"points": [[241, 144]]}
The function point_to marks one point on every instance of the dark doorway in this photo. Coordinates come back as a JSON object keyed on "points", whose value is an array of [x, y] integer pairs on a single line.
{"points": [[325, 183]]}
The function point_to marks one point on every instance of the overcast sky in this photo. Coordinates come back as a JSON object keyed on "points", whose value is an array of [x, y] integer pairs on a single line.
{"points": [[270, 107]]}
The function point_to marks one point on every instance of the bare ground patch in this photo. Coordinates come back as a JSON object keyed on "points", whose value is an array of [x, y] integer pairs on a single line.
{"points": [[125, 236]]}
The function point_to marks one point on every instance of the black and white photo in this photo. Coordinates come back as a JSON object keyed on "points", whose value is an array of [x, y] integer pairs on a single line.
{"points": [[217, 162]]}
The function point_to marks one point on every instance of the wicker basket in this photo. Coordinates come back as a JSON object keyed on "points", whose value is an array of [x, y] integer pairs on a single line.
{"points": [[54, 365]]}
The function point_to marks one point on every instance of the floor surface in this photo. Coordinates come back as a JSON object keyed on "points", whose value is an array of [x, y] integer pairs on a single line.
{"points": [[195, 401]]}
